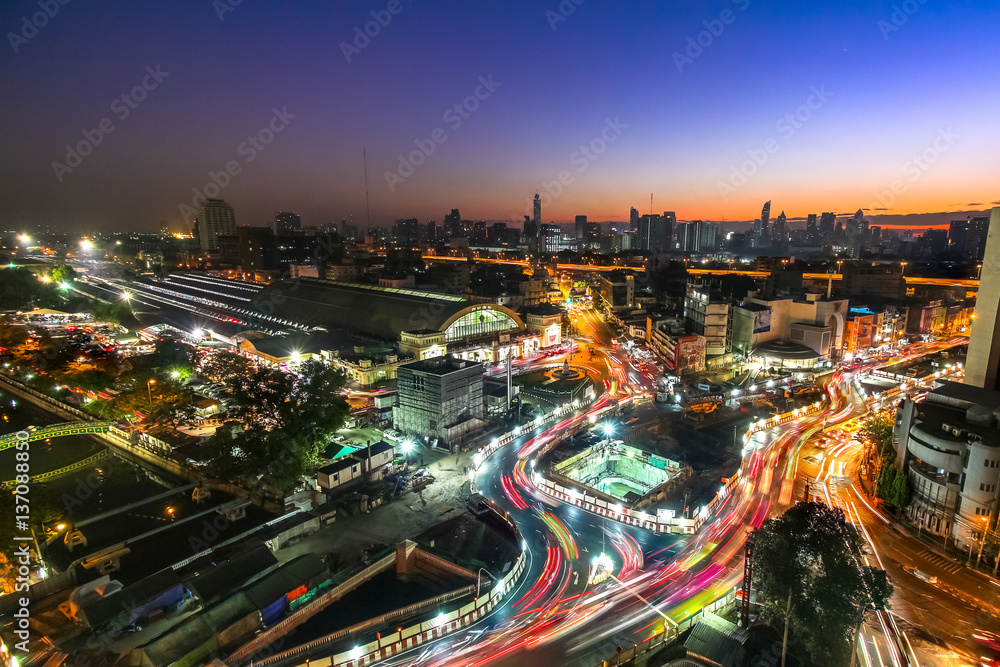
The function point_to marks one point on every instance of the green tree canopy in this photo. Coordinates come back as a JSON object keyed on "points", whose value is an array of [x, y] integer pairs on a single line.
{"points": [[111, 312], [285, 420], [813, 555], [63, 273]]}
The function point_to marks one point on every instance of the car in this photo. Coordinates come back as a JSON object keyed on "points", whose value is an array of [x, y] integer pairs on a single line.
{"points": [[392, 435], [987, 638]]}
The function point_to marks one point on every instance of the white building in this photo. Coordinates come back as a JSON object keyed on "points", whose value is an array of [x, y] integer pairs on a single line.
{"points": [[950, 447]]}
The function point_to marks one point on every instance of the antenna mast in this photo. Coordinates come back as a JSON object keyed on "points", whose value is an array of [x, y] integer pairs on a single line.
{"points": [[368, 208]]}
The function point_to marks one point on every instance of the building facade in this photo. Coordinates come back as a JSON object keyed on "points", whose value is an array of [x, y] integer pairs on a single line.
{"points": [[215, 218], [949, 445], [442, 398]]}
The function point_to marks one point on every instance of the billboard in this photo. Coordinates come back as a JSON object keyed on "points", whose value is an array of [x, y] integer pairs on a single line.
{"points": [[762, 321]]}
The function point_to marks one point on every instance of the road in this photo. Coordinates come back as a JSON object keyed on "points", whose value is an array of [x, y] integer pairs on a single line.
{"points": [[658, 580]]}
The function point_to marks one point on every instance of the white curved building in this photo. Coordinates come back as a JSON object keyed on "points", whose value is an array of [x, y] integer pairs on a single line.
{"points": [[950, 445]]}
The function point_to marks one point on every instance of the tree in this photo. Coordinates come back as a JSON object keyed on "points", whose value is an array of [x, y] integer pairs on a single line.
{"points": [[116, 313], [63, 274], [285, 418], [808, 573], [226, 368]]}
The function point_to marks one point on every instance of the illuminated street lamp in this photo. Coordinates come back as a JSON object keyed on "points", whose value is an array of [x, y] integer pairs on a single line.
{"points": [[149, 388]]}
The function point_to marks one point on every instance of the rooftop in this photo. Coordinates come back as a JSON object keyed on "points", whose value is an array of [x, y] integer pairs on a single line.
{"points": [[441, 365]]}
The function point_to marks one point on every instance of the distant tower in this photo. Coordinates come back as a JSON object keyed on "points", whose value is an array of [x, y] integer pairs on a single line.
{"points": [[765, 217], [633, 219], [537, 209]]}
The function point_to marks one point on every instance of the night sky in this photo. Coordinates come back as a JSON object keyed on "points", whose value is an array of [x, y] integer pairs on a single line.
{"points": [[885, 86]]}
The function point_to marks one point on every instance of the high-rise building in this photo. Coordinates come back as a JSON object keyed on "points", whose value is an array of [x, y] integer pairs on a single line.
{"points": [[440, 397], [827, 222], [780, 235], [967, 238], [668, 223], [984, 345], [530, 229], [258, 249], [498, 234], [633, 219], [649, 232], [537, 210], [581, 220], [765, 218], [215, 218], [453, 224], [285, 222], [811, 231], [592, 234], [406, 230]]}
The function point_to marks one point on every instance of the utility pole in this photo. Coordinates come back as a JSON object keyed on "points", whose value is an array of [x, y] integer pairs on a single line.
{"points": [[784, 639]]}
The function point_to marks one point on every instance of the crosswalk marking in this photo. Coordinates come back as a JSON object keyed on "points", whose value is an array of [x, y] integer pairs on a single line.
{"points": [[945, 564]]}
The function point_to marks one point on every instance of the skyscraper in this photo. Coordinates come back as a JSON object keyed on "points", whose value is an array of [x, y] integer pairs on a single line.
{"points": [[826, 225], [581, 221], [649, 232], [779, 235], [984, 345], [453, 224], [668, 223], [215, 218], [967, 238], [537, 211], [285, 222], [811, 231], [633, 219], [765, 218]]}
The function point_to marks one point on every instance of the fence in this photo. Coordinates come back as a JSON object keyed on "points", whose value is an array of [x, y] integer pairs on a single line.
{"points": [[302, 615], [406, 638], [670, 634]]}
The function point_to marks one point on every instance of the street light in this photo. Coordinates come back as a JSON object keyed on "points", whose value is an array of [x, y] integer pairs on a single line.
{"points": [[149, 388]]}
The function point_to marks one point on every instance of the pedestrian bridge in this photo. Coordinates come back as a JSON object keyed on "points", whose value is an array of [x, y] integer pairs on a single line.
{"points": [[55, 431]]}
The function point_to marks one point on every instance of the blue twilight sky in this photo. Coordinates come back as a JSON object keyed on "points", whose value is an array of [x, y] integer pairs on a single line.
{"points": [[815, 105]]}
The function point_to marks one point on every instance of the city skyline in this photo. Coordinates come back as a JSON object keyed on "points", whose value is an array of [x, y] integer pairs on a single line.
{"points": [[656, 105]]}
